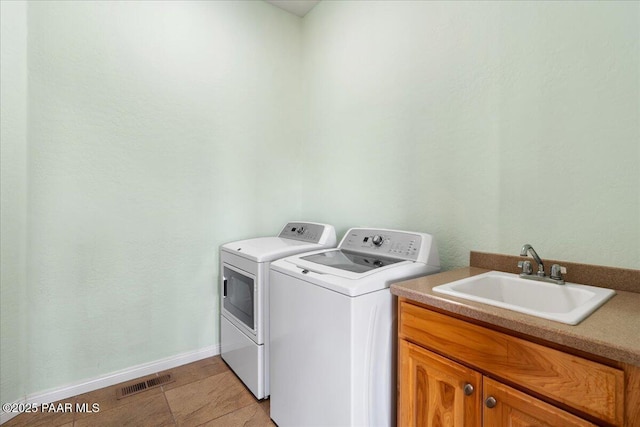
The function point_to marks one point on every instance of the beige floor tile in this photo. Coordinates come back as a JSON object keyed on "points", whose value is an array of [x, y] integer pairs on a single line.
{"points": [[249, 416], [205, 391], [207, 399], [195, 371], [106, 397], [48, 418], [152, 410], [266, 406]]}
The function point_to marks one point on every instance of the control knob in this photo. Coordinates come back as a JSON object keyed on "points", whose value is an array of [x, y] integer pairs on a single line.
{"points": [[377, 240], [300, 230]]}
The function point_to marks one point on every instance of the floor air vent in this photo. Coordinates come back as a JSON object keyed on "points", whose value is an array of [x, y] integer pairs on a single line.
{"points": [[143, 385]]}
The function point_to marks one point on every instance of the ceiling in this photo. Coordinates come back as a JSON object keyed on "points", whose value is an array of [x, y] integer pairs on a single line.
{"points": [[297, 7]]}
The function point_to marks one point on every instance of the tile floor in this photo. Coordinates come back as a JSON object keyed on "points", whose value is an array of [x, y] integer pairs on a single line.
{"points": [[203, 393]]}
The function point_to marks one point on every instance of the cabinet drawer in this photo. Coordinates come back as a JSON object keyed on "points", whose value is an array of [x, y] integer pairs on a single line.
{"points": [[585, 385]]}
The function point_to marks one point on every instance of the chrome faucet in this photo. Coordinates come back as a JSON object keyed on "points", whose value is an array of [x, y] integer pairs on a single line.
{"points": [[527, 272], [528, 248]]}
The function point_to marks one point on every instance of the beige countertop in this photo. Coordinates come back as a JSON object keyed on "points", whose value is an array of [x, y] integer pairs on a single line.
{"points": [[612, 331]]}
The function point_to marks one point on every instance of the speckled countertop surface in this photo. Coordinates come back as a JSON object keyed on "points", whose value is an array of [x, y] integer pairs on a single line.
{"points": [[612, 331]]}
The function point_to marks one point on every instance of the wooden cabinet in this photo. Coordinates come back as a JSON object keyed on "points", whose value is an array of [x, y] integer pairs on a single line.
{"points": [[531, 384], [517, 409], [436, 391]]}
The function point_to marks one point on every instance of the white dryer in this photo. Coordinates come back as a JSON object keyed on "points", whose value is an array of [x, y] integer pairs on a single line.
{"points": [[244, 279], [333, 323]]}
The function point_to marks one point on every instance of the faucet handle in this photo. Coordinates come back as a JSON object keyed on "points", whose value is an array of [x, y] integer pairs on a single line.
{"points": [[557, 271], [525, 266]]}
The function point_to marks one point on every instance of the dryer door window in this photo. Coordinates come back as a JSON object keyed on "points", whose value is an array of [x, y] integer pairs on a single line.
{"points": [[239, 296]]}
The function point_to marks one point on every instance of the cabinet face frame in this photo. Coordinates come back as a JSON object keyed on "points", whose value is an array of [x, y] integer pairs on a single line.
{"points": [[432, 390], [587, 386], [432, 394]]}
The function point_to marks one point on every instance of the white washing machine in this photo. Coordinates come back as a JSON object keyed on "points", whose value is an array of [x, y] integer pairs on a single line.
{"points": [[244, 279], [333, 325]]}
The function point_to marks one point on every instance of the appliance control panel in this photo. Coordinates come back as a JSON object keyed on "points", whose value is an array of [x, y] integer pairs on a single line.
{"points": [[391, 243], [304, 231]]}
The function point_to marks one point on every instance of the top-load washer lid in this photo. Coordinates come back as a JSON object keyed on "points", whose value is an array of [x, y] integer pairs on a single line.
{"points": [[295, 238], [337, 264], [349, 261], [366, 260]]}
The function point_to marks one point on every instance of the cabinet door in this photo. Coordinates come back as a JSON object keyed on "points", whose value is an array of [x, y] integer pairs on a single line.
{"points": [[588, 386], [434, 391], [510, 407]]}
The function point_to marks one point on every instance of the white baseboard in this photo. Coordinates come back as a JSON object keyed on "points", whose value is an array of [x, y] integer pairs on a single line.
{"points": [[91, 384]]}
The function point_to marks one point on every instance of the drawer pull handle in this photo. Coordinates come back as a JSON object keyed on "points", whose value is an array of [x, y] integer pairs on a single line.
{"points": [[468, 389], [491, 402]]}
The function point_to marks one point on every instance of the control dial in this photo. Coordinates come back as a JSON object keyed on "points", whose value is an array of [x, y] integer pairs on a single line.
{"points": [[300, 230], [377, 240]]}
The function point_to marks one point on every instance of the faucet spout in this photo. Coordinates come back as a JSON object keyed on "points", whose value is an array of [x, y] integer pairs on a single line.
{"points": [[528, 248]]}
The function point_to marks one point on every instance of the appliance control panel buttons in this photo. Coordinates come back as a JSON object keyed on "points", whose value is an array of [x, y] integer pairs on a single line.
{"points": [[383, 242], [306, 232]]}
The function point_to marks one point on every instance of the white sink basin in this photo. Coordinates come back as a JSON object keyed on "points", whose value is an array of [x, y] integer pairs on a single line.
{"points": [[569, 303]]}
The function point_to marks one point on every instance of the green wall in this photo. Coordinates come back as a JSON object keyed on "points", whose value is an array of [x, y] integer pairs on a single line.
{"points": [[487, 124], [13, 198], [156, 132], [139, 136]]}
